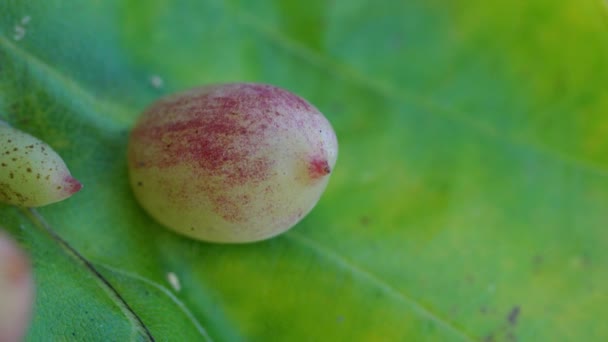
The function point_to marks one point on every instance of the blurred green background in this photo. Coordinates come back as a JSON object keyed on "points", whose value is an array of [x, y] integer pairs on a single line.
{"points": [[469, 202]]}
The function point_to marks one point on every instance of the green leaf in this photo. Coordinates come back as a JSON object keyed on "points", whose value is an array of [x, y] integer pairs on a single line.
{"points": [[469, 201]]}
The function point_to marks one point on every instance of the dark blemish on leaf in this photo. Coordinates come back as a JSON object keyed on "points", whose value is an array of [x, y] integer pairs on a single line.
{"points": [[537, 263], [192, 228], [364, 220], [488, 338], [29, 169], [11, 175], [583, 260], [140, 184], [537, 260], [454, 311], [513, 315]]}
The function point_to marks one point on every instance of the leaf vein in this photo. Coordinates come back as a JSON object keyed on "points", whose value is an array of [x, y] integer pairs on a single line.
{"points": [[363, 275], [135, 320], [81, 99], [166, 292]]}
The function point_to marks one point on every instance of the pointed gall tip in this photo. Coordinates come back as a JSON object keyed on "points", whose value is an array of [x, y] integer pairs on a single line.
{"points": [[72, 185], [318, 168]]}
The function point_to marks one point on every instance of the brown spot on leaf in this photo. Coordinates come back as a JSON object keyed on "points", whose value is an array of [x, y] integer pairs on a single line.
{"points": [[513, 315], [365, 220]]}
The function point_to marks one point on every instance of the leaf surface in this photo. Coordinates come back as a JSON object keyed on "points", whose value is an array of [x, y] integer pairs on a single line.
{"points": [[469, 201]]}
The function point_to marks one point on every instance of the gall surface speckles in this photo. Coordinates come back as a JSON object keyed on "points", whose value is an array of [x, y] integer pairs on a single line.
{"points": [[32, 174], [231, 162]]}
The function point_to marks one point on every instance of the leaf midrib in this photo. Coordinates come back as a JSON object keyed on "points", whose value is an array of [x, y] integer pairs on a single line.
{"points": [[181, 305], [136, 322], [81, 96]]}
